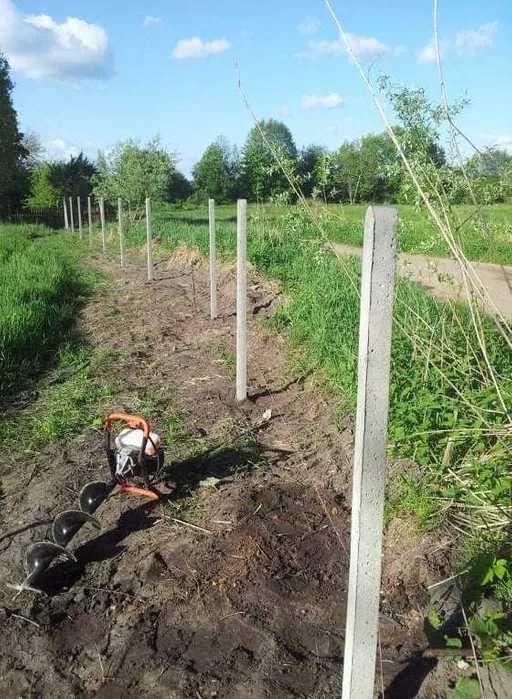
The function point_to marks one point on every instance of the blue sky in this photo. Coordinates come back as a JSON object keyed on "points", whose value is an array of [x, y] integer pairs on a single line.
{"points": [[90, 73]]}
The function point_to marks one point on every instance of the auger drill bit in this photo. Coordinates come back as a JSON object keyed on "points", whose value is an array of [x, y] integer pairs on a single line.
{"points": [[68, 523], [39, 558], [93, 495]]}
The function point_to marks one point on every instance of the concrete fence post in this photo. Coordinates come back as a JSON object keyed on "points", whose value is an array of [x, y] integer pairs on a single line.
{"points": [[149, 239], [102, 218], [120, 229], [241, 300], [89, 219], [369, 472], [71, 214], [79, 214], [213, 259], [66, 223]]}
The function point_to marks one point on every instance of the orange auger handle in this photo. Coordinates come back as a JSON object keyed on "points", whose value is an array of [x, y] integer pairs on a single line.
{"points": [[133, 421], [134, 490]]}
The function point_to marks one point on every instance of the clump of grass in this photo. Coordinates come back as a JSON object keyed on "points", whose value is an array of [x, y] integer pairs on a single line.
{"points": [[41, 284], [73, 399]]}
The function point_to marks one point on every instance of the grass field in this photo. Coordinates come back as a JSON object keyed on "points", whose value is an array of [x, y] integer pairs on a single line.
{"points": [[40, 286], [487, 241]]}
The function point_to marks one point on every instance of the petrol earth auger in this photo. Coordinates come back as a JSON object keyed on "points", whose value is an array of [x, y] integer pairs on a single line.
{"points": [[135, 459]]}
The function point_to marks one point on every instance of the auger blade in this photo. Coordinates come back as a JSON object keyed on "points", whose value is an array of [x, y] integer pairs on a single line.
{"points": [[68, 523], [40, 556], [92, 495]]}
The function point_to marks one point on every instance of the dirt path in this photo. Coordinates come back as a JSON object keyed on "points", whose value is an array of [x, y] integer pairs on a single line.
{"points": [[442, 277], [250, 605]]}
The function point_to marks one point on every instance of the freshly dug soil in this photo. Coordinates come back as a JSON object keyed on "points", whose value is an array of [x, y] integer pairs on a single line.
{"points": [[248, 602]]}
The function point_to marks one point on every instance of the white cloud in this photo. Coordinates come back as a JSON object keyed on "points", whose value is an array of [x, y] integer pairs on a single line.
{"points": [[38, 46], [197, 48], [428, 52], [473, 41], [309, 25], [150, 21], [330, 101], [58, 149], [503, 142], [465, 43], [363, 47]]}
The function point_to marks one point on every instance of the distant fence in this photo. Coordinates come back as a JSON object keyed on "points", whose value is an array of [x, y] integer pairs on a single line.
{"points": [[54, 217]]}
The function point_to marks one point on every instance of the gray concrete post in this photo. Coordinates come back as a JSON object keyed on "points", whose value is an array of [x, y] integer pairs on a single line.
{"points": [[79, 214], [71, 214], [149, 239], [120, 229], [213, 259], [89, 219], [66, 223], [377, 293], [241, 300], [102, 217]]}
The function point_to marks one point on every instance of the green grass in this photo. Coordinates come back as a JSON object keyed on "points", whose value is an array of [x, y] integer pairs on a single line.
{"points": [[41, 285], [490, 242], [72, 399]]}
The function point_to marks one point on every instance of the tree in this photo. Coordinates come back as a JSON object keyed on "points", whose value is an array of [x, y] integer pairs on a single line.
{"points": [[180, 188], [269, 146], [216, 174], [43, 194], [34, 147], [12, 151], [347, 171], [492, 162], [134, 172], [309, 164], [72, 178]]}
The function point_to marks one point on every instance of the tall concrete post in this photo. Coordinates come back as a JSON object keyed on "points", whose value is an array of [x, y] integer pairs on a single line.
{"points": [[71, 214], [79, 214], [377, 293], [102, 218], [213, 259], [120, 229], [89, 219], [241, 301], [149, 239]]}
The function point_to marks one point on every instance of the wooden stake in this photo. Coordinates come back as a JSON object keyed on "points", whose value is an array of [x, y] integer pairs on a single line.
{"points": [[71, 214], [120, 229], [89, 218], [102, 217], [149, 239], [241, 301], [79, 214], [66, 223], [377, 291], [213, 259]]}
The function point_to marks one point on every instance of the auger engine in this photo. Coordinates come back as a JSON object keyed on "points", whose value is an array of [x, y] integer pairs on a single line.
{"points": [[135, 459]]}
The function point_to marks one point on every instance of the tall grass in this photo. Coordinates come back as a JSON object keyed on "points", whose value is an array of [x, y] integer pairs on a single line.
{"points": [[40, 285]]}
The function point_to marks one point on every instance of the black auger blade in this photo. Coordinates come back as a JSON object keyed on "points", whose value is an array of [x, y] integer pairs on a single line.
{"points": [[68, 523], [92, 495], [40, 556]]}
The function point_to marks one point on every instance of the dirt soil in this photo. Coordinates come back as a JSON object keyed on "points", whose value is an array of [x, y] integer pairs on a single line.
{"points": [[250, 602], [443, 278]]}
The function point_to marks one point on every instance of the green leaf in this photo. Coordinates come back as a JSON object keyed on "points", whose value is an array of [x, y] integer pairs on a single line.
{"points": [[453, 642], [466, 688]]}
